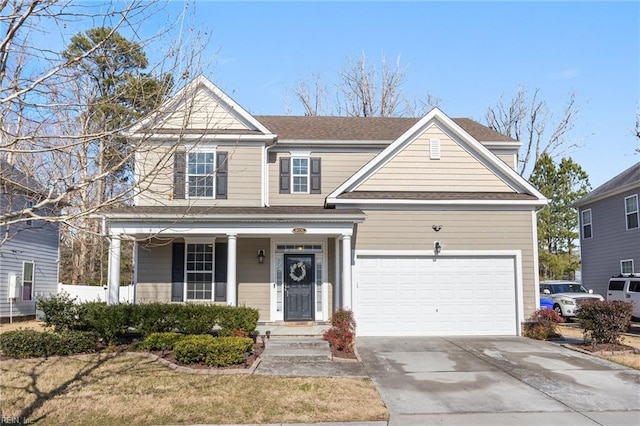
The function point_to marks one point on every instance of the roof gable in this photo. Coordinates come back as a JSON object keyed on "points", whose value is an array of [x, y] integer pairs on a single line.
{"points": [[10, 175], [628, 179], [201, 107], [399, 167]]}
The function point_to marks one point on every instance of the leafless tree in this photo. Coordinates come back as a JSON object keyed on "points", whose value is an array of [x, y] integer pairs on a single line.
{"points": [[362, 89], [528, 120], [47, 130]]}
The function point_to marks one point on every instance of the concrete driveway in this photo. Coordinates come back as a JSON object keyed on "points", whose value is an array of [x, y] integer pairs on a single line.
{"points": [[497, 381]]}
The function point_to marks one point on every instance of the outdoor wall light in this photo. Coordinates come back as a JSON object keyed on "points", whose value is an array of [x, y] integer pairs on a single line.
{"points": [[437, 247], [261, 256]]}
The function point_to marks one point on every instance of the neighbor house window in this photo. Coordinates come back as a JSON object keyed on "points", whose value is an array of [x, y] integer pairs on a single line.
{"points": [[199, 270], [631, 210], [300, 175], [27, 280], [200, 178], [29, 205], [626, 266], [586, 224]]}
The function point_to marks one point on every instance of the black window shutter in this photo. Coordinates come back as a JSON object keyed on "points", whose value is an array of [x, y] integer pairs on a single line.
{"points": [[177, 272], [316, 186], [179, 169], [285, 175], [221, 175], [220, 273]]}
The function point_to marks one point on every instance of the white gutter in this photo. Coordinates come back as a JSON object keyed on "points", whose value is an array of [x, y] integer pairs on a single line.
{"points": [[540, 202]]}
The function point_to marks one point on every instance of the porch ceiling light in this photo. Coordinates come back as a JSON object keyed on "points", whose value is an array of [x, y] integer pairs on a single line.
{"points": [[261, 256]]}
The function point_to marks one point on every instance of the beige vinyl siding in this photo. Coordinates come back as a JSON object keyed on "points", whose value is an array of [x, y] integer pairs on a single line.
{"points": [[154, 272], [337, 167], [461, 230], [253, 278], [202, 112], [244, 178], [509, 160], [413, 170]]}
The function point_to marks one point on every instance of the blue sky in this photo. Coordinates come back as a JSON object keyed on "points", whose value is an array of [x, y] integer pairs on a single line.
{"points": [[467, 54]]}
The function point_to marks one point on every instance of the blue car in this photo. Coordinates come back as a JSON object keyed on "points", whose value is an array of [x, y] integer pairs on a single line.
{"points": [[546, 303]]}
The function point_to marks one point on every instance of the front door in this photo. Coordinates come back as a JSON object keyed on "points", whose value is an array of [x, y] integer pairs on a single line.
{"points": [[298, 287]]}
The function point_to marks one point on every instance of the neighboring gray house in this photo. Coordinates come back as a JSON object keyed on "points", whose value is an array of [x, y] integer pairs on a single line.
{"points": [[28, 249], [610, 230]]}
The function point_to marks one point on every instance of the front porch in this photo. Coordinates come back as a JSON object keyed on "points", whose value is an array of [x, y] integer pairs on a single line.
{"points": [[290, 270]]}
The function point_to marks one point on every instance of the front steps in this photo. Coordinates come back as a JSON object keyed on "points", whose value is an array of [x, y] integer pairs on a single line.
{"points": [[300, 349]]}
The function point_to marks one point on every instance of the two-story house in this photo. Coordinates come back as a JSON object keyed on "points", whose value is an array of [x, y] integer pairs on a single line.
{"points": [[421, 226], [28, 248], [610, 230]]}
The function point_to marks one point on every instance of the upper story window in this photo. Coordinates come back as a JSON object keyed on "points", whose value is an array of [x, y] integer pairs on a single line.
{"points": [[29, 205], [631, 211], [200, 174], [586, 224], [300, 175], [200, 169]]}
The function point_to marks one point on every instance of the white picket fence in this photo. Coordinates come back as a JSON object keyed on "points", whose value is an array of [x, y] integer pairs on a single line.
{"points": [[91, 293]]}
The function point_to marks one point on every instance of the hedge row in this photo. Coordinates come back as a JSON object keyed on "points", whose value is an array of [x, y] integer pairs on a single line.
{"points": [[24, 343], [112, 322]]}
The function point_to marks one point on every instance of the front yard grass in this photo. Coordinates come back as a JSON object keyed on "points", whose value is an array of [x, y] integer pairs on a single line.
{"points": [[103, 389]]}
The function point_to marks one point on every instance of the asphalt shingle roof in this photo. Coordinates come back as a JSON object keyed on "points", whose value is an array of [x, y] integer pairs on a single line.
{"points": [[628, 179]]}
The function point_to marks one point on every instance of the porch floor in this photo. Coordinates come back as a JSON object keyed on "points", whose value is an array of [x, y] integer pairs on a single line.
{"points": [[281, 329]]}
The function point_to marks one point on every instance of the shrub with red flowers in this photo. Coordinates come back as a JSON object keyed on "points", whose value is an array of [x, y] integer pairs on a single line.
{"points": [[342, 332]]}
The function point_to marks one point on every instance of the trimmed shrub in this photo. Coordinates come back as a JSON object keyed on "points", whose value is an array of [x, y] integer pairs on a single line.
{"points": [[342, 333], [603, 321], [213, 351], [232, 318], [109, 322], [23, 343], [544, 324], [160, 341], [192, 349], [61, 312]]}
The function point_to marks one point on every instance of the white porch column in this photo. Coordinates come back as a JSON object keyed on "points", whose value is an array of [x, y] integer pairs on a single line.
{"points": [[336, 284], [114, 270], [346, 272], [231, 269]]}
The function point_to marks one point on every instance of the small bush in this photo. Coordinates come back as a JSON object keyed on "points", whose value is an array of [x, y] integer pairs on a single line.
{"points": [[109, 322], [603, 321], [342, 333], [213, 351], [23, 343], [160, 341], [237, 318], [61, 312], [544, 324]]}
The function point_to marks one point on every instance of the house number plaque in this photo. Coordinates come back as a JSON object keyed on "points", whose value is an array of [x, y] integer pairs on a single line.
{"points": [[299, 231]]}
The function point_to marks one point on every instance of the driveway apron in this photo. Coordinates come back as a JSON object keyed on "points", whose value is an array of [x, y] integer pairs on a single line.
{"points": [[499, 380]]}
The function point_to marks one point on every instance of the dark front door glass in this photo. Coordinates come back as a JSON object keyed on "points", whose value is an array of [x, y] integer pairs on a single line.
{"points": [[298, 289]]}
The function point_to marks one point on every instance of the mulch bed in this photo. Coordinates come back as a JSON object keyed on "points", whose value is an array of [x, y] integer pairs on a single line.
{"points": [[608, 348], [169, 356], [335, 353]]}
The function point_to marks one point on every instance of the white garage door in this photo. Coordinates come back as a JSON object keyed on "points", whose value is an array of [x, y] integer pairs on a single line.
{"points": [[420, 296]]}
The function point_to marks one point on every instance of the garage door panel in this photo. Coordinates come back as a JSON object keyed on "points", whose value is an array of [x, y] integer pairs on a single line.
{"points": [[415, 296]]}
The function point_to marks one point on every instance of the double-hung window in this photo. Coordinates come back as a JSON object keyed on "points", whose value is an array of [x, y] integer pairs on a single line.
{"points": [[199, 271], [626, 266], [28, 269], [200, 178], [300, 175], [586, 224], [631, 211]]}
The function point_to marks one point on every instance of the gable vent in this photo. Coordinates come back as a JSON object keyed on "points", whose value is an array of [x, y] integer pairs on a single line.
{"points": [[434, 149]]}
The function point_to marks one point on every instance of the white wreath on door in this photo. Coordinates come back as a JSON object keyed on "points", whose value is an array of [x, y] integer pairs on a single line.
{"points": [[293, 269]]}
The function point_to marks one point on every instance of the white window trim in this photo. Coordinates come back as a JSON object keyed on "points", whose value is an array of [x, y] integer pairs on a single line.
{"points": [[582, 223], [627, 213], [199, 240], [33, 280], [632, 266], [195, 150], [308, 175]]}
